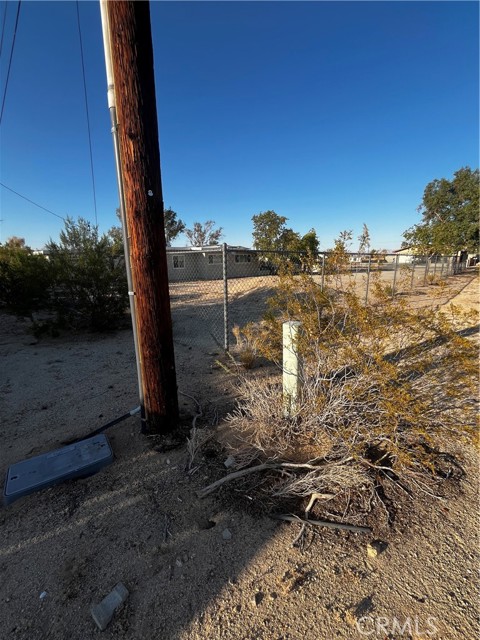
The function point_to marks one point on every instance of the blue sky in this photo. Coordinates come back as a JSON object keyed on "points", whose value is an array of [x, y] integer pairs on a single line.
{"points": [[331, 113]]}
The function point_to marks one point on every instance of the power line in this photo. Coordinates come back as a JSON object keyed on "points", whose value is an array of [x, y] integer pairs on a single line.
{"points": [[3, 27], [32, 202], [88, 117], [10, 61]]}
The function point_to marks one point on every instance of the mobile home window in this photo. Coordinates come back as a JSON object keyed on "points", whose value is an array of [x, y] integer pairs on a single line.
{"points": [[179, 262], [214, 258], [243, 257]]}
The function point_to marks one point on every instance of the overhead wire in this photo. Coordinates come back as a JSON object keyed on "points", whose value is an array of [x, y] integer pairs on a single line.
{"points": [[86, 109], [10, 60], [20, 195], [32, 202]]}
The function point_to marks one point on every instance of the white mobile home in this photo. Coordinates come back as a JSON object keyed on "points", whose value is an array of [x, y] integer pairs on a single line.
{"points": [[206, 263]]}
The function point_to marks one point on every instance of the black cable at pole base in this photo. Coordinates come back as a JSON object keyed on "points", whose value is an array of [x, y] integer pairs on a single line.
{"points": [[143, 420], [101, 429]]}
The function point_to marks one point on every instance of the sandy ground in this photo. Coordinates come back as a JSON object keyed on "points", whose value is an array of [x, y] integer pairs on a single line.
{"points": [[201, 302], [211, 568]]}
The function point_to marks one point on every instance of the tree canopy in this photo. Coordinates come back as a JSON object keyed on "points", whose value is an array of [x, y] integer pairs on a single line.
{"points": [[203, 235], [270, 233], [310, 242], [268, 229], [173, 225], [89, 284], [449, 211]]}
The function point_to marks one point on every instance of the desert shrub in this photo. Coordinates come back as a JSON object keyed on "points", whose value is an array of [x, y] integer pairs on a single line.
{"points": [[383, 387], [25, 279], [245, 348], [90, 288]]}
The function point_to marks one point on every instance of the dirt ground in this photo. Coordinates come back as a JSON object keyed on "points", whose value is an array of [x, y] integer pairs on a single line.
{"points": [[211, 568]]}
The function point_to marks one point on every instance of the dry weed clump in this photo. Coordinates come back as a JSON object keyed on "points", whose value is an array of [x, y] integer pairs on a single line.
{"points": [[246, 348], [383, 388]]}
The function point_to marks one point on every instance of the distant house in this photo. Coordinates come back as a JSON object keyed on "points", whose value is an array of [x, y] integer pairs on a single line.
{"points": [[412, 255], [206, 263], [409, 255], [41, 252]]}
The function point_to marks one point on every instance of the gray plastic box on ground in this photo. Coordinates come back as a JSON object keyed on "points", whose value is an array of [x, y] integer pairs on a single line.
{"points": [[81, 459]]}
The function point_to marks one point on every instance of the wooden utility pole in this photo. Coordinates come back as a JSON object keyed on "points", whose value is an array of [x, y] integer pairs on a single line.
{"points": [[132, 63]]}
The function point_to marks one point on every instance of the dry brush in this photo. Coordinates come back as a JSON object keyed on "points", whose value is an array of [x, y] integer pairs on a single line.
{"points": [[384, 389]]}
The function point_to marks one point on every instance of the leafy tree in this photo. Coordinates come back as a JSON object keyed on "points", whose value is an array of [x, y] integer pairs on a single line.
{"points": [[116, 236], [204, 235], [268, 231], [364, 240], [25, 278], [450, 215], [173, 226], [310, 242], [290, 240], [89, 276]]}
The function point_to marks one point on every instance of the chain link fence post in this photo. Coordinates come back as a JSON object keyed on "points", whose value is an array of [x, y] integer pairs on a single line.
{"points": [[368, 278], [426, 271], [226, 342], [413, 273], [397, 259]]}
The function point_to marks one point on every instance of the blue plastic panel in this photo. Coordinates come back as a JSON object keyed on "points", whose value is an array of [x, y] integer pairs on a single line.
{"points": [[80, 459]]}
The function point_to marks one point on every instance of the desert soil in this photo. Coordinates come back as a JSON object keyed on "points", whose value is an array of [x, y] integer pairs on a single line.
{"points": [[203, 569]]}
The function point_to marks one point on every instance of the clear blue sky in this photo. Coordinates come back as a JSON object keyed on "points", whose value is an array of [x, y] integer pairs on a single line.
{"points": [[331, 113]]}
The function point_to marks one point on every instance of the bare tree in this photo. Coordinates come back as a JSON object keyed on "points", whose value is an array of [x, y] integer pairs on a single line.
{"points": [[15, 243], [203, 235]]}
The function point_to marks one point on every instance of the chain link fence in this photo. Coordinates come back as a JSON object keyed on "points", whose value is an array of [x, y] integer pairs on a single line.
{"points": [[212, 289]]}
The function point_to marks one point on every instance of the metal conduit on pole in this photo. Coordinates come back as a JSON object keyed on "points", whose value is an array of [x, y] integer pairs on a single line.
{"points": [[131, 51], [121, 195]]}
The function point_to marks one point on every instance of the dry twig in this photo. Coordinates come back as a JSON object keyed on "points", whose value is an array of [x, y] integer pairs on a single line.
{"points": [[322, 523], [245, 472]]}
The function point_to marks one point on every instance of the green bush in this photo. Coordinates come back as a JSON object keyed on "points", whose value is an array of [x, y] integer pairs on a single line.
{"points": [[25, 279], [89, 284]]}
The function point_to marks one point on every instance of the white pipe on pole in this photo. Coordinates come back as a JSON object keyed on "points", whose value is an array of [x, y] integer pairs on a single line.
{"points": [[108, 56], [116, 147]]}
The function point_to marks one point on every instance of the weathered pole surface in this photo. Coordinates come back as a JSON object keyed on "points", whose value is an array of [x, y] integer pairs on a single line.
{"points": [[132, 62]]}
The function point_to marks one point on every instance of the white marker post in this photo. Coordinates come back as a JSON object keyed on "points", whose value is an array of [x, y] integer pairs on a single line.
{"points": [[291, 367]]}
